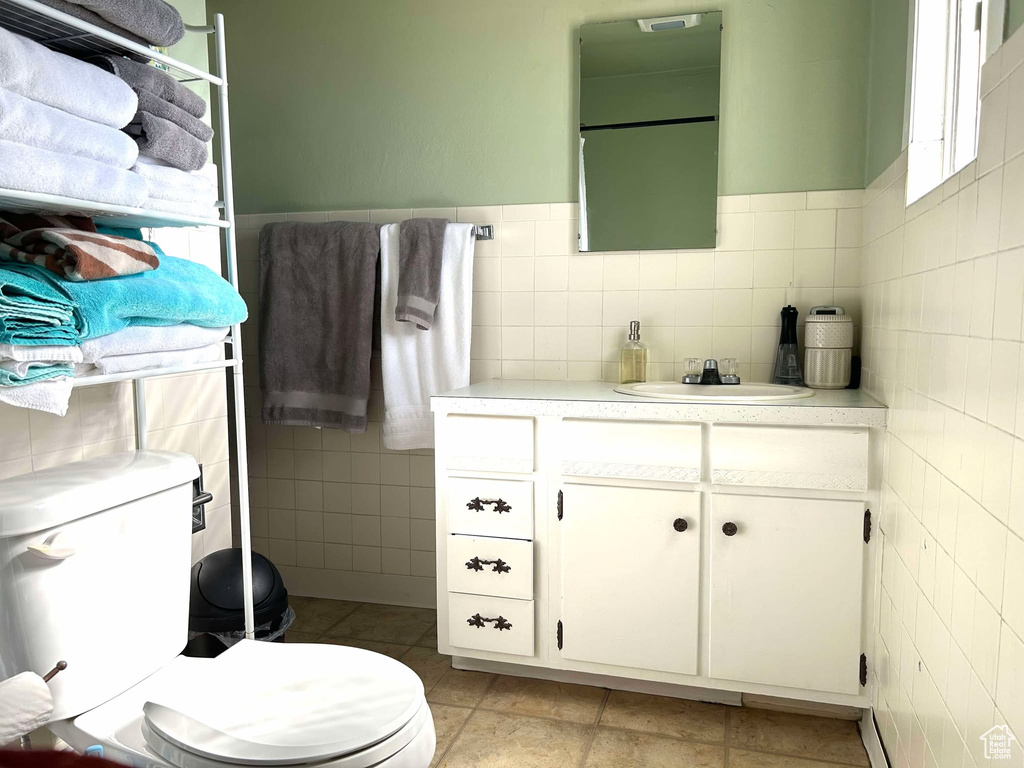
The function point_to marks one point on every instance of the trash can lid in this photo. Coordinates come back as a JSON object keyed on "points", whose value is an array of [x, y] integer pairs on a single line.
{"points": [[216, 598]]}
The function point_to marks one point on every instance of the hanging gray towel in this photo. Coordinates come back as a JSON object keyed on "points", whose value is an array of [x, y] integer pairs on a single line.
{"points": [[420, 242], [143, 77], [150, 22], [316, 322]]}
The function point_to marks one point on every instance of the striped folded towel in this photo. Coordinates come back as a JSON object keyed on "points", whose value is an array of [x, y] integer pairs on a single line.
{"points": [[71, 247]]}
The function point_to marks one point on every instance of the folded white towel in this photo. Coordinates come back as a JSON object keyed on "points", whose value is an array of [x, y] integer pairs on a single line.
{"points": [[34, 71], [146, 360], [200, 210], [38, 170], [39, 125], [415, 364], [139, 339], [51, 396], [167, 183], [42, 353], [25, 705]]}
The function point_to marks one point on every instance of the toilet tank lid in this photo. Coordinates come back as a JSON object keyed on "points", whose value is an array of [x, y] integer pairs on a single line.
{"points": [[41, 500]]}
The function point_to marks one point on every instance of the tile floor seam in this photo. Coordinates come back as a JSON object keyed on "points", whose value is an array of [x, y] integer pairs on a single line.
{"points": [[455, 738], [808, 758], [794, 755], [595, 725]]}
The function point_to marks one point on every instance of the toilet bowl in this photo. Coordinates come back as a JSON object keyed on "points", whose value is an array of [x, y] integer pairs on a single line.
{"points": [[265, 704], [94, 571]]}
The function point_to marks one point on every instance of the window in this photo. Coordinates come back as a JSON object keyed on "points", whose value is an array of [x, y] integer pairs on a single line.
{"points": [[948, 48]]}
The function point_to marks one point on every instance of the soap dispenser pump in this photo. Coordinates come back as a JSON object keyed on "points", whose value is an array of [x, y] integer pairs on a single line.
{"points": [[787, 361], [633, 357]]}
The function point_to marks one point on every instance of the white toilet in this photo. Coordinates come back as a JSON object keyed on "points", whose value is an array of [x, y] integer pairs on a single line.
{"points": [[94, 571]]}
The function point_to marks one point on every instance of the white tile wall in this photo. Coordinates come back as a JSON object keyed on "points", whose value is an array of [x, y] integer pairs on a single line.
{"points": [[943, 294], [344, 518], [185, 413]]}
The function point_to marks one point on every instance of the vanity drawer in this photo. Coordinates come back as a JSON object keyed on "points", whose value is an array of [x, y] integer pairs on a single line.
{"points": [[641, 450], [491, 624], [818, 458], [489, 443], [488, 566], [481, 506]]}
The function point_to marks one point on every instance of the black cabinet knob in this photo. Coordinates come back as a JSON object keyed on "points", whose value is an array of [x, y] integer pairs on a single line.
{"points": [[729, 529], [679, 524]]}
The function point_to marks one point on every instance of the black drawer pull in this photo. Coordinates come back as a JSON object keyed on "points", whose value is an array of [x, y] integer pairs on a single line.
{"points": [[729, 529], [478, 621], [500, 505], [500, 566], [680, 524]]}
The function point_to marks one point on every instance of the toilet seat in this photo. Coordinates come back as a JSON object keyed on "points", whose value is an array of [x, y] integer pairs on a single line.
{"points": [[263, 704]]}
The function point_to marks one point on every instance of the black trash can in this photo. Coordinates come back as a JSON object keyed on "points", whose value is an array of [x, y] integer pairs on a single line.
{"points": [[216, 615]]}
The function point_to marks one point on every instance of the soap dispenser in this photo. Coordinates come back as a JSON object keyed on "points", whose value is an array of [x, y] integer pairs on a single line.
{"points": [[787, 362], [633, 357]]}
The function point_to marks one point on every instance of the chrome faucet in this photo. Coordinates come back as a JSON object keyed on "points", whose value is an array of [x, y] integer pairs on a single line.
{"points": [[710, 374]]}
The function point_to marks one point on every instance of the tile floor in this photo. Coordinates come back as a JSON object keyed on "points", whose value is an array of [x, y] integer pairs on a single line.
{"points": [[511, 722]]}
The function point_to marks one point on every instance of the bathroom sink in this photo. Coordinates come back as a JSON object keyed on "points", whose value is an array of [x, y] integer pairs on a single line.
{"points": [[719, 393]]}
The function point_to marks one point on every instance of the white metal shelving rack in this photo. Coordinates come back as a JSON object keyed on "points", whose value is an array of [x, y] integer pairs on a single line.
{"points": [[80, 39]]}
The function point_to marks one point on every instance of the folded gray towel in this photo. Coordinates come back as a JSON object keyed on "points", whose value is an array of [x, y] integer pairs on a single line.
{"points": [[151, 22], [154, 105], [420, 242], [316, 322], [143, 77], [163, 140], [78, 12]]}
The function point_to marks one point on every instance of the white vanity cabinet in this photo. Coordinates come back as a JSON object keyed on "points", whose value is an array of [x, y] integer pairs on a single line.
{"points": [[786, 597], [630, 575], [611, 540]]}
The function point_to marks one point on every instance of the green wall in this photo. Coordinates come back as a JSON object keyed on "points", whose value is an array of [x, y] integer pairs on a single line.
{"points": [[1014, 16], [393, 103], [887, 84], [656, 96]]}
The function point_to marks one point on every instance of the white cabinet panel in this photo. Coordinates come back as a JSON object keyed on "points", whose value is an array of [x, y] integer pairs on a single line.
{"points": [[821, 458], [630, 578], [483, 506], [488, 566], [639, 450], [489, 443], [786, 591], [491, 624]]}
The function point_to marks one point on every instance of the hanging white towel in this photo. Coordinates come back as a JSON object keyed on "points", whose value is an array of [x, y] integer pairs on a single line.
{"points": [[418, 364], [25, 705], [51, 395]]}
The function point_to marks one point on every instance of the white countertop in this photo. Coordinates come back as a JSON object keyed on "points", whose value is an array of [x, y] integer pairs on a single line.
{"points": [[598, 399]]}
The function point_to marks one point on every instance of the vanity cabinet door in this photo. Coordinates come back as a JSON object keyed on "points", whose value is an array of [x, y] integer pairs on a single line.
{"points": [[786, 591], [630, 567]]}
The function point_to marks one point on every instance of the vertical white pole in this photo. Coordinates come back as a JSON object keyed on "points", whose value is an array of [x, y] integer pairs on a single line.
{"points": [[236, 330], [139, 388]]}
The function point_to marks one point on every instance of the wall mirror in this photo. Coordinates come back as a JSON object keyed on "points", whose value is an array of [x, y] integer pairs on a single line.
{"points": [[649, 119]]}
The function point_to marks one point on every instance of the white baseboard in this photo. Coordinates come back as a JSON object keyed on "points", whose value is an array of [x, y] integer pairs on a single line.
{"points": [[873, 741]]}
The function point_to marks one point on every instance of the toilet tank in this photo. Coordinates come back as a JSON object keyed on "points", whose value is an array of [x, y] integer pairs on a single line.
{"points": [[94, 570]]}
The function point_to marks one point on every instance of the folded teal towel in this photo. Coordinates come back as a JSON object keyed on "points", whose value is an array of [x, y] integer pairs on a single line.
{"points": [[34, 311], [32, 373], [179, 291]]}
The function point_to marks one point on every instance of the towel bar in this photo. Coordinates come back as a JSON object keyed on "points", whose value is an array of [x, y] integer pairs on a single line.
{"points": [[483, 232]]}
